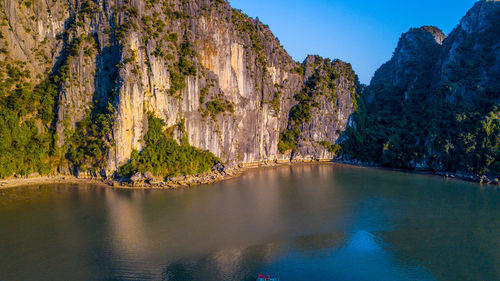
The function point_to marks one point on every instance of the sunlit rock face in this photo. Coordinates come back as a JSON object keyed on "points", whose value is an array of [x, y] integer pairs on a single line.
{"points": [[201, 61], [331, 108]]}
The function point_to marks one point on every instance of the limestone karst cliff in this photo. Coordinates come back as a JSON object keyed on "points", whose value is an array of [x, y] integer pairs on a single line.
{"points": [[80, 77], [436, 104]]}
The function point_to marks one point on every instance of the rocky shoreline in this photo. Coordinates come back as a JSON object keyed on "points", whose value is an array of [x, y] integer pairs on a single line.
{"points": [[148, 181], [143, 183], [457, 175], [218, 174]]}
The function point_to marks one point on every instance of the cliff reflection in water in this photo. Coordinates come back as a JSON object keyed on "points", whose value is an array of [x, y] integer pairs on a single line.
{"points": [[309, 222]]}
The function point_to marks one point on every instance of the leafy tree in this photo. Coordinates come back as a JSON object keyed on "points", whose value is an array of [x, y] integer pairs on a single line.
{"points": [[164, 156]]}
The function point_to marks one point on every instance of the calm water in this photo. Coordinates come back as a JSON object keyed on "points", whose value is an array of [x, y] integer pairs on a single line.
{"points": [[311, 222]]}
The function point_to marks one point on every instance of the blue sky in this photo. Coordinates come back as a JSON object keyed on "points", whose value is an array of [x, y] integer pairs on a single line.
{"points": [[364, 33]]}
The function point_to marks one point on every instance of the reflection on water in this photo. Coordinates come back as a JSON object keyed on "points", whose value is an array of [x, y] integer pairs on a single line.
{"points": [[362, 241], [308, 222]]}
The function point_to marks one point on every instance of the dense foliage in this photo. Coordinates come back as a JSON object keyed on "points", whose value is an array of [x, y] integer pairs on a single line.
{"points": [[26, 113], [450, 126], [444, 112], [28, 104], [164, 156], [435, 133], [88, 145]]}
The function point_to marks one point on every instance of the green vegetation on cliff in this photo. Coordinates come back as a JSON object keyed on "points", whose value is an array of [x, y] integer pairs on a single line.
{"points": [[182, 68], [431, 132], [88, 145], [26, 115], [165, 157], [248, 27], [435, 104], [322, 82]]}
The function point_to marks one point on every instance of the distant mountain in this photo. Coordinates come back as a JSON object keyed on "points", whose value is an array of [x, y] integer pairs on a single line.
{"points": [[436, 104]]}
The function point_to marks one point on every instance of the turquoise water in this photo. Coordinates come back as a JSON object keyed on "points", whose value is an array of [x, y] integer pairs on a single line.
{"points": [[306, 222]]}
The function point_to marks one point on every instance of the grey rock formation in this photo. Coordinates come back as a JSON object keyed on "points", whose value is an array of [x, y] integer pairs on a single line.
{"points": [[330, 116], [470, 59], [200, 61], [415, 54], [465, 65]]}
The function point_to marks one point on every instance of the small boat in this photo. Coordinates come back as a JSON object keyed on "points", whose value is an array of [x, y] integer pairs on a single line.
{"points": [[262, 277]]}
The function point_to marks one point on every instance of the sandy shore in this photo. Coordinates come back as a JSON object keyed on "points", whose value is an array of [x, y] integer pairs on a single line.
{"points": [[17, 182]]}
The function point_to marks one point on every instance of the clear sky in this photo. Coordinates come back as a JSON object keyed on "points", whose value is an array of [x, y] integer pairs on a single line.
{"points": [[362, 32]]}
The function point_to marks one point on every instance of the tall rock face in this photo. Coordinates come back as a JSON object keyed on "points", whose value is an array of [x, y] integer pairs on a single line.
{"points": [[415, 55], [435, 104], [104, 66], [470, 59], [324, 106]]}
